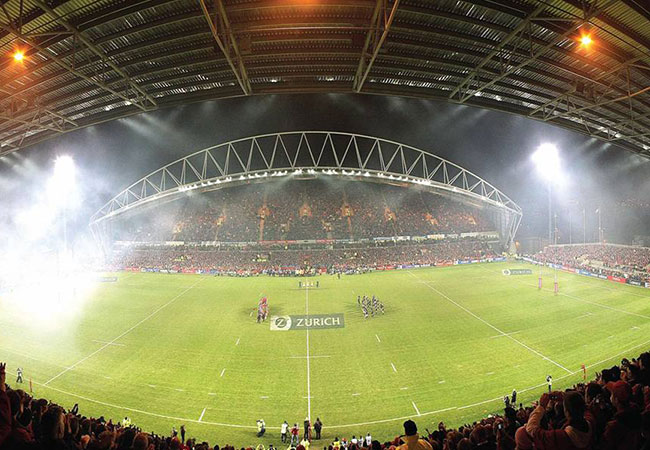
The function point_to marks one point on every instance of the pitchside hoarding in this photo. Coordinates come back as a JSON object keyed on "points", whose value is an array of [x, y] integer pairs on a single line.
{"points": [[311, 322], [517, 272]]}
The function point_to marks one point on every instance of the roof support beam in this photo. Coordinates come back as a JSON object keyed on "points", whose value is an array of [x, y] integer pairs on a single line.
{"points": [[228, 45], [474, 86], [97, 51], [597, 82], [379, 28], [516, 32], [51, 55]]}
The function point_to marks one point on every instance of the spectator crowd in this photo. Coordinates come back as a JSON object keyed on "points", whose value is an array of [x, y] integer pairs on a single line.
{"points": [[611, 412], [608, 259], [302, 210], [288, 261]]}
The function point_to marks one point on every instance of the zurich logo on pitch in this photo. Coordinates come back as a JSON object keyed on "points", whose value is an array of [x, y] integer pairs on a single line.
{"points": [[280, 323]]}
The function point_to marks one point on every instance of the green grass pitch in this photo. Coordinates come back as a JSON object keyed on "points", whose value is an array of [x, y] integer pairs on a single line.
{"points": [[167, 350]]}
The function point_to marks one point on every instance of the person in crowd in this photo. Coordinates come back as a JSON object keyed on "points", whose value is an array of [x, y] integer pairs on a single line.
{"points": [[610, 413], [624, 430], [412, 439], [576, 431]]}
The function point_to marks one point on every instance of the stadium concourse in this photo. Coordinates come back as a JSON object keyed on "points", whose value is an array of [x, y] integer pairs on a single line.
{"points": [[611, 412]]}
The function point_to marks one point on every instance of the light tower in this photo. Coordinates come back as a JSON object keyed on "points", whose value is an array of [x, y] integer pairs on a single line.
{"points": [[547, 161]]}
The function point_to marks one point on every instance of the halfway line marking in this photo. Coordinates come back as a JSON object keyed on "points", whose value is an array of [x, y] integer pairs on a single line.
{"points": [[308, 370]]}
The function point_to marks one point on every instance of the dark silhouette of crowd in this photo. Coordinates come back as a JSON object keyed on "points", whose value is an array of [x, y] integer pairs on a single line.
{"points": [[611, 412], [303, 210]]}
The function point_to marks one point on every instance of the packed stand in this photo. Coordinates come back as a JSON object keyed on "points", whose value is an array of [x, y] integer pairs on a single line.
{"points": [[608, 259], [302, 210], [610, 413]]}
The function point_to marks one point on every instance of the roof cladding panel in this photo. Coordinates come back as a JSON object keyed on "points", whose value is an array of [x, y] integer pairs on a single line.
{"points": [[88, 61]]}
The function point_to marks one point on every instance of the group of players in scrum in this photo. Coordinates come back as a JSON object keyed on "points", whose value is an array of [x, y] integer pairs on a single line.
{"points": [[370, 306]]}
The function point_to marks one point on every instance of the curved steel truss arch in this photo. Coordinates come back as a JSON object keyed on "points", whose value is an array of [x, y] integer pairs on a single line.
{"points": [[310, 154]]}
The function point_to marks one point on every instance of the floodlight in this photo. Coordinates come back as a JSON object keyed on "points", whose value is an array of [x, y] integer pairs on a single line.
{"points": [[63, 181], [586, 40], [19, 56], [547, 160]]}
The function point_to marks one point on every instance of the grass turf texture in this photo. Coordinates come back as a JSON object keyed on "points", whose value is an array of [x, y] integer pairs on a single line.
{"points": [[172, 349]]}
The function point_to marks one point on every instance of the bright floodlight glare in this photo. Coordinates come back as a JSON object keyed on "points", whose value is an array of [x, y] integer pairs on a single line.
{"points": [[63, 181], [585, 40], [18, 55], [547, 160]]}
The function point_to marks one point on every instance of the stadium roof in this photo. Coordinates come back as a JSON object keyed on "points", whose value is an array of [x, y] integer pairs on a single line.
{"points": [[89, 61]]}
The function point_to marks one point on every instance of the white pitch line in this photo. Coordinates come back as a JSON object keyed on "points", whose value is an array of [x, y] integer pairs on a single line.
{"points": [[251, 314], [378, 340], [587, 301], [237, 343], [505, 334], [153, 386], [223, 371], [308, 359], [585, 315], [348, 425], [441, 381], [442, 294], [179, 390], [601, 305], [636, 328], [356, 394], [121, 335], [202, 414], [108, 343], [416, 408], [403, 388], [393, 366], [212, 393], [490, 373], [264, 396]]}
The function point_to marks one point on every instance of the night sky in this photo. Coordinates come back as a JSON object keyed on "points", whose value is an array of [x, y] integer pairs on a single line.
{"points": [[496, 146]]}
